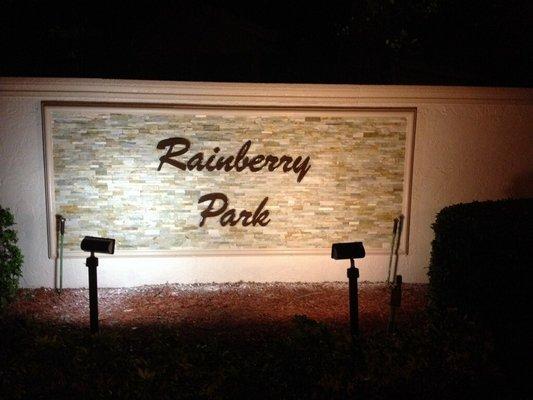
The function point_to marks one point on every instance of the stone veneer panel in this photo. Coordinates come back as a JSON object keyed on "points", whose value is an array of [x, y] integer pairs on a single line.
{"points": [[107, 184]]}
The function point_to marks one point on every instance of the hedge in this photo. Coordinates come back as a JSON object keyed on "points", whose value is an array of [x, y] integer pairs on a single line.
{"points": [[10, 258], [481, 260]]}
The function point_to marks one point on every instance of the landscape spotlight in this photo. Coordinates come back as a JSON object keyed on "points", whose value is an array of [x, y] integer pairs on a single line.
{"points": [[98, 245], [95, 245], [344, 251]]}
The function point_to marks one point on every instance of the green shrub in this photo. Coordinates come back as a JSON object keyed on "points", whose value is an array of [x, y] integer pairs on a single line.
{"points": [[480, 262], [10, 258]]}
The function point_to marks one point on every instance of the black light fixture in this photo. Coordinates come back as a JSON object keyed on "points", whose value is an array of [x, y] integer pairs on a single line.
{"points": [[95, 245], [344, 251]]}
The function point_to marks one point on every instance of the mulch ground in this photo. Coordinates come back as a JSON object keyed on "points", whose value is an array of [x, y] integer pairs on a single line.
{"points": [[220, 305]]}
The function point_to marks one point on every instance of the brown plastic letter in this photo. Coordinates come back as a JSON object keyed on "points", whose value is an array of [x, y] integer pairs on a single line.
{"points": [[167, 158], [210, 211]]}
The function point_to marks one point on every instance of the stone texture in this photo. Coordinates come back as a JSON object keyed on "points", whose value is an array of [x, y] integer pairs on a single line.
{"points": [[107, 183]]}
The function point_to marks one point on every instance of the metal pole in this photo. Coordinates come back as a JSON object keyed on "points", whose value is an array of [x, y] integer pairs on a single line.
{"points": [[394, 227], [92, 263], [353, 274], [397, 248], [61, 261], [60, 231]]}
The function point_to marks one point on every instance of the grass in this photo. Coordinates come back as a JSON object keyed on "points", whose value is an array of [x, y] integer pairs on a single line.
{"points": [[302, 360]]}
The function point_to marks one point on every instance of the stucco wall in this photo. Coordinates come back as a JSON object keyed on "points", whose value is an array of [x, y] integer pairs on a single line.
{"points": [[470, 144]]}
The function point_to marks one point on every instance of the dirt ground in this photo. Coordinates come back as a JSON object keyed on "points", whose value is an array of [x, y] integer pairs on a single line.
{"points": [[212, 305]]}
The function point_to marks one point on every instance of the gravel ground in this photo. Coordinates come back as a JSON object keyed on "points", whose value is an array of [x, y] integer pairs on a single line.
{"points": [[214, 305]]}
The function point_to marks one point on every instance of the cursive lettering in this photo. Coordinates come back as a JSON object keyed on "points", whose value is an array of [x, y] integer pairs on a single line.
{"points": [[239, 162], [229, 217]]}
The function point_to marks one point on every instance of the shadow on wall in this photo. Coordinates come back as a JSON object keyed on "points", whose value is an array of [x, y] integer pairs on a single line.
{"points": [[522, 186]]}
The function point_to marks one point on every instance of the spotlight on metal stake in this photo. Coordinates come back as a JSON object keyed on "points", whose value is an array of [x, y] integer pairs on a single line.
{"points": [[95, 245], [344, 251]]}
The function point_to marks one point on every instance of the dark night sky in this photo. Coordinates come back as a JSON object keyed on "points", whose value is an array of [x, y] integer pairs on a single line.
{"points": [[446, 42]]}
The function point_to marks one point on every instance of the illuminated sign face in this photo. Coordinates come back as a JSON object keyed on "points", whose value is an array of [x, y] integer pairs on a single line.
{"points": [[175, 180]]}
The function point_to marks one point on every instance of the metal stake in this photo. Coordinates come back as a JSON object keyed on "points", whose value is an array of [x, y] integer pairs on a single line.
{"points": [[92, 263], [353, 274], [395, 302]]}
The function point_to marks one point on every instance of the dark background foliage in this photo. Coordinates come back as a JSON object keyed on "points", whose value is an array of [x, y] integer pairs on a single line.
{"points": [[449, 42]]}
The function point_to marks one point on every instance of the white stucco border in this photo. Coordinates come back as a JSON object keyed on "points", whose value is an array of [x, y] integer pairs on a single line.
{"points": [[448, 117], [48, 106]]}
